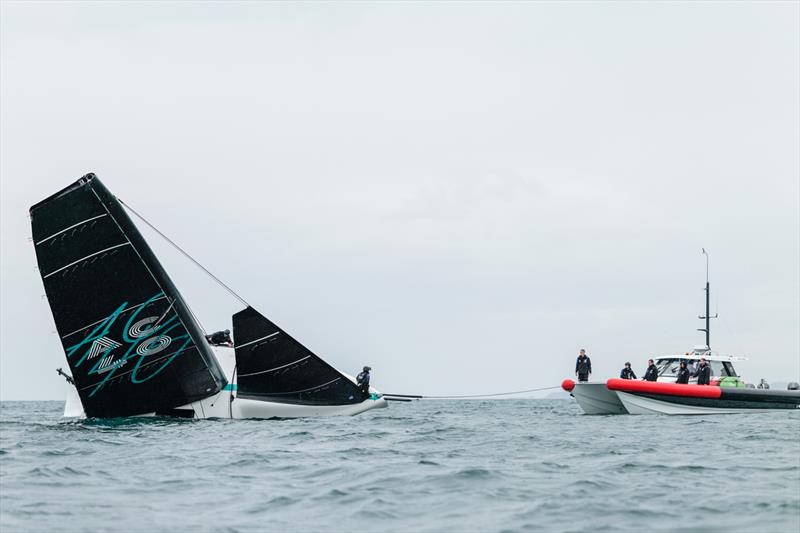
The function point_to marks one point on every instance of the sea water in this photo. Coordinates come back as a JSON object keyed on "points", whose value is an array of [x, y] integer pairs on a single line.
{"points": [[497, 465]]}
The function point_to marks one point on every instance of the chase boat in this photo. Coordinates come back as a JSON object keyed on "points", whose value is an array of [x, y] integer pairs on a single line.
{"points": [[727, 393], [595, 398], [135, 348]]}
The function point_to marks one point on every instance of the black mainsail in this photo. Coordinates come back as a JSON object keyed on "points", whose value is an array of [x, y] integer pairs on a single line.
{"points": [[131, 342], [272, 366]]}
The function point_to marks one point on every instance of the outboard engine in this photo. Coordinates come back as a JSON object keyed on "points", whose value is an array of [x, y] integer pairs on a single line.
{"points": [[793, 386]]}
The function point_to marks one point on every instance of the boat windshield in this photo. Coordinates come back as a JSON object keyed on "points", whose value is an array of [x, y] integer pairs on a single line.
{"points": [[669, 367]]}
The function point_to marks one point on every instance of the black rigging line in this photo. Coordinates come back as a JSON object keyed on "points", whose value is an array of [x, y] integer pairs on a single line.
{"points": [[189, 257]]}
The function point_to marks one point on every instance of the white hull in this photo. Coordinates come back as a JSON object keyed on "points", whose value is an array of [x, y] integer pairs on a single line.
{"points": [[226, 404], [596, 399], [638, 405]]}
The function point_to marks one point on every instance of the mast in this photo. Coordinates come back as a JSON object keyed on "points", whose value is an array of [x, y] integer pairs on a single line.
{"points": [[707, 316]]}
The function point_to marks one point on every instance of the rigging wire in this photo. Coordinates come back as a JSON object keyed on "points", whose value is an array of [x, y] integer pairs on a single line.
{"points": [[422, 397], [186, 254]]}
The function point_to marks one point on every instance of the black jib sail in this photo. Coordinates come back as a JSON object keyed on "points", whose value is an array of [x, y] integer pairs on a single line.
{"points": [[272, 366], [131, 342]]}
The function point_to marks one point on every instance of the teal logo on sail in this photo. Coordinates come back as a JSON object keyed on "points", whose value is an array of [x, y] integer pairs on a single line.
{"points": [[144, 340]]}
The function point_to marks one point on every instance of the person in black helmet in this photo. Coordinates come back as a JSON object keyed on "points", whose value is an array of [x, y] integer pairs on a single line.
{"points": [[627, 372], [683, 373], [703, 372], [363, 380], [220, 338], [583, 366], [651, 374]]}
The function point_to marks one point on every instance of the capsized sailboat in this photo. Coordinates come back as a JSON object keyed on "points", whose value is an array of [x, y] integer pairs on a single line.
{"points": [[135, 348]]}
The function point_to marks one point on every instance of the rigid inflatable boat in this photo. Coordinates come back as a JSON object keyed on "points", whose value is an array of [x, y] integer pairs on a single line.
{"points": [[652, 397], [595, 398], [661, 396]]}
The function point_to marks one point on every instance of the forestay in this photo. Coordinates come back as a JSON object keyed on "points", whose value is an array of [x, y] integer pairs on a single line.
{"points": [[272, 366], [130, 341]]}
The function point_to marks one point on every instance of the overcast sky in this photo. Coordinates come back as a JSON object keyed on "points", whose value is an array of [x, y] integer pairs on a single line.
{"points": [[460, 195]]}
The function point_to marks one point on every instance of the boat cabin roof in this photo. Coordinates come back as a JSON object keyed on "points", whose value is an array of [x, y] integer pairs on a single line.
{"points": [[708, 356]]}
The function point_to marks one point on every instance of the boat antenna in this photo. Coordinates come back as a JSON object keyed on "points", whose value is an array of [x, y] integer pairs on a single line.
{"points": [[708, 316]]}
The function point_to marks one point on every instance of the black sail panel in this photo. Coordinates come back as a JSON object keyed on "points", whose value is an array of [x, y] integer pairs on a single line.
{"points": [[272, 366], [130, 341]]}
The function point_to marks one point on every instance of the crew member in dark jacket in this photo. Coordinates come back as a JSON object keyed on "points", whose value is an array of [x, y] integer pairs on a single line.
{"points": [[220, 338], [363, 380], [651, 374], [683, 373], [627, 372], [583, 366], [703, 373]]}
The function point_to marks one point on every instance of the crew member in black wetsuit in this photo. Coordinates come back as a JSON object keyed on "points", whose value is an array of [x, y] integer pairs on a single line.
{"points": [[683, 373], [703, 373], [220, 338], [363, 380], [583, 366], [651, 374], [627, 372]]}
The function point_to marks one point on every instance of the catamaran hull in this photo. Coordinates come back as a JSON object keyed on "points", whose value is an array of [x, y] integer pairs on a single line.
{"points": [[242, 408], [221, 406], [227, 404]]}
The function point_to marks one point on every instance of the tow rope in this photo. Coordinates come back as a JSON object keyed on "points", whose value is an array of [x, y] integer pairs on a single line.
{"points": [[410, 397]]}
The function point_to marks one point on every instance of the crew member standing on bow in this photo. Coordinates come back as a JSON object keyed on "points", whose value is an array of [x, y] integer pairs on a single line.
{"points": [[363, 380], [703, 373], [627, 372], [651, 374], [583, 366]]}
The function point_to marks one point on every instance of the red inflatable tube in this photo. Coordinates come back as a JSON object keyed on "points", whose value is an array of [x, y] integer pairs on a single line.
{"points": [[670, 389]]}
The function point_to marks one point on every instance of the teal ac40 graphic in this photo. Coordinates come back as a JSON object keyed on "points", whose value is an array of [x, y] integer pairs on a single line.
{"points": [[141, 338]]}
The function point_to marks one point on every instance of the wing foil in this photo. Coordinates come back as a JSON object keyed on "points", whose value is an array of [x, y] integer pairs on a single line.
{"points": [[131, 343]]}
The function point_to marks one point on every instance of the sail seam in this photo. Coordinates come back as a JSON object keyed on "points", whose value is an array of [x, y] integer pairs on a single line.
{"points": [[84, 258], [69, 228], [273, 369]]}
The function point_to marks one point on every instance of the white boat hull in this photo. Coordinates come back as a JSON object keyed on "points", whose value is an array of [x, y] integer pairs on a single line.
{"points": [[227, 404], [596, 399], [640, 405]]}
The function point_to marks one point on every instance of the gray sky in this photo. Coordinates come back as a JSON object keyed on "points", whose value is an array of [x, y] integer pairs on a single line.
{"points": [[461, 195]]}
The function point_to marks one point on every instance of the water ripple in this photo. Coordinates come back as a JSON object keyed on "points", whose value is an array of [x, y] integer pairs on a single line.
{"points": [[516, 465]]}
